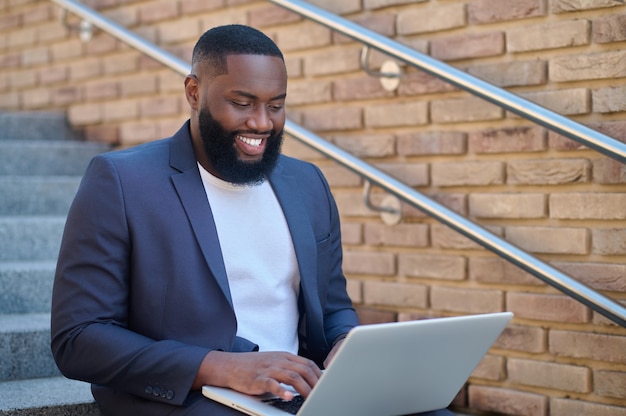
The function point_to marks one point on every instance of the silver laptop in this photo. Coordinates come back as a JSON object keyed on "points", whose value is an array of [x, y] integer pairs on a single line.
{"points": [[389, 369]]}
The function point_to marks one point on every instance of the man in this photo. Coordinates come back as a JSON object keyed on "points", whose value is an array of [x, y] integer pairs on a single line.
{"points": [[204, 258]]}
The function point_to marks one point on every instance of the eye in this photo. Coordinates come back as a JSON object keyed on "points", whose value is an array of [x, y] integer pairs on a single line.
{"points": [[241, 104], [276, 107]]}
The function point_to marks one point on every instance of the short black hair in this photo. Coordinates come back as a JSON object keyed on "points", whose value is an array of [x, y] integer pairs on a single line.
{"points": [[217, 43]]}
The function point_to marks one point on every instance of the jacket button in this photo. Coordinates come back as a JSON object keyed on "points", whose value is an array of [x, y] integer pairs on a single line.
{"points": [[156, 391], [170, 394], [148, 390]]}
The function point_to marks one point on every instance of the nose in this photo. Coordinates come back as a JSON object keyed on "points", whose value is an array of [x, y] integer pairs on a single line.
{"points": [[260, 120]]}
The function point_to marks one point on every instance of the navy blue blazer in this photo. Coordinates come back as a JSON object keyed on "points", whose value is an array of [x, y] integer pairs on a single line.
{"points": [[141, 293]]}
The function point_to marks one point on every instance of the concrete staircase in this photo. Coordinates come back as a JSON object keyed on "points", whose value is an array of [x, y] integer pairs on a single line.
{"points": [[41, 162]]}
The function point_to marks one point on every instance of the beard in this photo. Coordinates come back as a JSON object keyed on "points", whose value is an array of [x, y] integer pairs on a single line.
{"points": [[220, 149]]}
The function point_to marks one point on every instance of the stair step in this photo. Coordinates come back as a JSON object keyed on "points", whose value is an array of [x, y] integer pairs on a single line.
{"points": [[30, 238], [26, 287], [37, 195], [25, 347], [55, 396], [38, 158], [36, 125]]}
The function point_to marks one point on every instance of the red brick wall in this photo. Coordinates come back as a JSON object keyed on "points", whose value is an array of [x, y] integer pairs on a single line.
{"points": [[547, 194]]}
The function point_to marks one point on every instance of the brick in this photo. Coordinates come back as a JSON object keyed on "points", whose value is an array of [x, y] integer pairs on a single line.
{"points": [[548, 171], [35, 56], [10, 101], [332, 62], [507, 205], [11, 60], [135, 132], [445, 237], [548, 36], [374, 145], [53, 75], [492, 11], [354, 288], [601, 65], [430, 266], [549, 240], [38, 98], [610, 383], [120, 110], [466, 46], [432, 143], [126, 62], [395, 294], [379, 4], [309, 91], [338, 176], [555, 308], [442, 17], [51, 32], [420, 82], [342, 118], [472, 173], [564, 102], [170, 81], [101, 89], [609, 99], [23, 79], [230, 15], [523, 338], [159, 106], [179, 30], [588, 205], [608, 171], [608, 242], [499, 271], [571, 378], [87, 68], [491, 367], [512, 74], [125, 16], [600, 276], [101, 43], [304, 36], [157, 10], [457, 110], [507, 401], [454, 201], [410, 174], [508, 140], [396, 114], [66, 50], [272, 15], [10, 22], [382, 24], [22, 37], [66, 95], [568, 407], [351, 204], [469, 301], [102, 134], [369, 263], [351, 232], [138, 84], [401, 235], [361, 88], [600, 347], [563, 6], [608, 29], [83, 114], [189, 7], [375, 316]]}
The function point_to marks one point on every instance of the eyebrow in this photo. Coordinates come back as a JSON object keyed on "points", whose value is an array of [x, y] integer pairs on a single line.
{"points": [[254, 97]]}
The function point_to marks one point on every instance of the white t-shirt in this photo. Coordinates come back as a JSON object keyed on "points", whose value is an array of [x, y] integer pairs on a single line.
{"points": [[260, 261]]}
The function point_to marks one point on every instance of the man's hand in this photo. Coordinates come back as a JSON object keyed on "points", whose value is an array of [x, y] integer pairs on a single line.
{"points": [[258, 372]]}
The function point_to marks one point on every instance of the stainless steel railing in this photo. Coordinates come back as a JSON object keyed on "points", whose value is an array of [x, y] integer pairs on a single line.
{"points": [[595, 300]]}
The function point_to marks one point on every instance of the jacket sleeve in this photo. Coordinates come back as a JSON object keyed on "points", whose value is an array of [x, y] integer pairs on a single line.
{"points": [[89, 321]]}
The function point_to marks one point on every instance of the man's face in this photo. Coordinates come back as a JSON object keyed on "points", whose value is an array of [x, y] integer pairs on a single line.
{"points": [[241, 118]]}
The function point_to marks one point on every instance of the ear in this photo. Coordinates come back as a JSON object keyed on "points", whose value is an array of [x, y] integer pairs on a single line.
{"points": [[192, 91]]}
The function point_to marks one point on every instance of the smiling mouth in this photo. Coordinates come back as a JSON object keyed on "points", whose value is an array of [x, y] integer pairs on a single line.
{"points": [[250, 142]]}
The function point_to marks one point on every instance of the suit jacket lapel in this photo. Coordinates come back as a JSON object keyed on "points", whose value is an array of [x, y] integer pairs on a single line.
{"points": [[286, 188], [188, 184]]}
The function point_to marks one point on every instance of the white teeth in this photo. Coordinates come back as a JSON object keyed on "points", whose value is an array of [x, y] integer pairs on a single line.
{"points": [[251, 142]]}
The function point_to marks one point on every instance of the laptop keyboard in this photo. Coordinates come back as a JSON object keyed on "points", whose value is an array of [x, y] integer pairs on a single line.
{"points": [[292, 406]]}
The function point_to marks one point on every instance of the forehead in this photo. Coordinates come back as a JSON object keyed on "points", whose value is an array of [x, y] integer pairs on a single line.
{"points": [[259, 75]]}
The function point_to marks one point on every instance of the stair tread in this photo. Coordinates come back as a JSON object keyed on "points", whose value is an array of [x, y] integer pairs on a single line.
{"points": [[27, 322], [43, 392]]}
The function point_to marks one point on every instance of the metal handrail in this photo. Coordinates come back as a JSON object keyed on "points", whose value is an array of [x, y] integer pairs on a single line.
{"points": [[595, 300], [454, 76]]}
